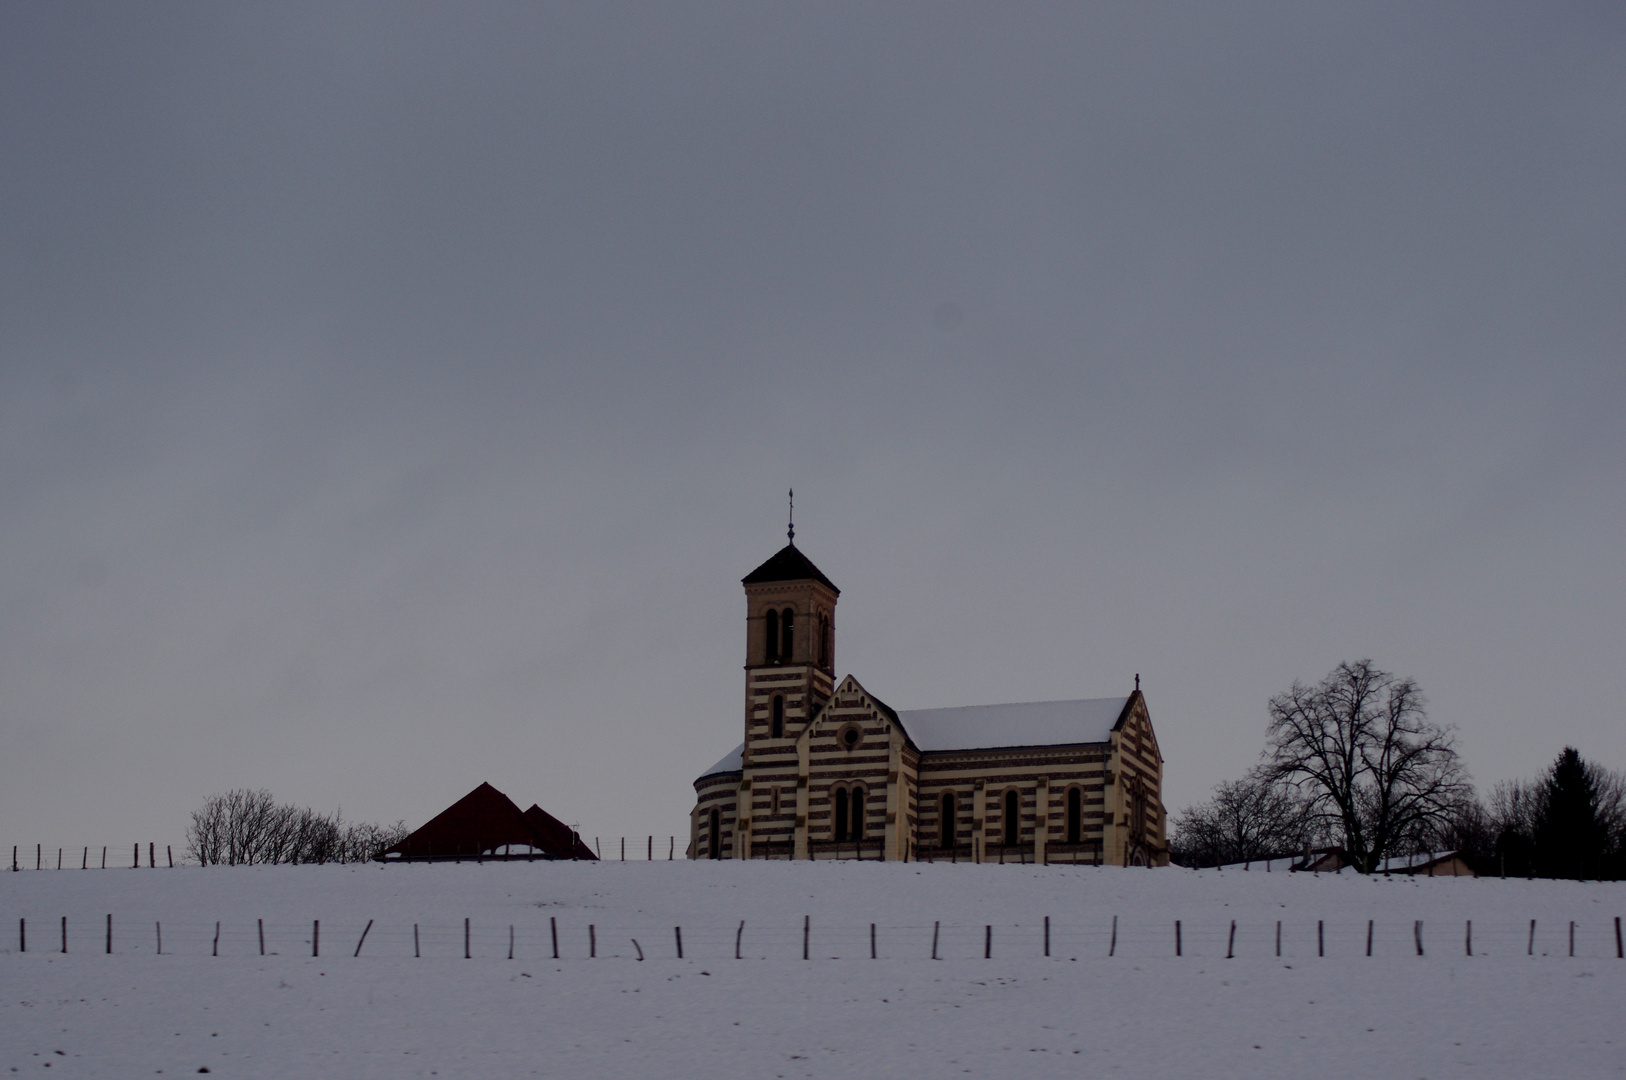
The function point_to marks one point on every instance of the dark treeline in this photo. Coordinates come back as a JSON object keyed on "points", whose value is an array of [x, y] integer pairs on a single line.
{"points": [[244, 827], [1353, 763]]}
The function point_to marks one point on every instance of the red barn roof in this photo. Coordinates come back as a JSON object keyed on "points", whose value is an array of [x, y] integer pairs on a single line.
{"points": [[486, 823]]}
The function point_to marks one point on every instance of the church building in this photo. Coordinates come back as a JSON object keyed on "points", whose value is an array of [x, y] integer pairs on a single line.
{"points": [[830, 771]]}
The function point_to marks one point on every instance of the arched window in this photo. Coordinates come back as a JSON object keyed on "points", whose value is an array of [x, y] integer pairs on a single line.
{"points": [[770, 650], [1013, 819], [857, 828], [715, 847], [787, 634], [945, 822], [1075, 816], [840, 797], [778, 717]]}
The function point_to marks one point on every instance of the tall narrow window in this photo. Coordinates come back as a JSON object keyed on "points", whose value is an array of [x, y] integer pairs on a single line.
{"points": [[1075, 816], [770, 650], [787, 635], [945, 822], [857, 831], [824, 641], [715, 847], [840, 815], [1013, 819], [778, 717]]}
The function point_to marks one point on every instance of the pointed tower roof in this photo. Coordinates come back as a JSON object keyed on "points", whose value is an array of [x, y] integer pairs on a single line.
{"points": [[788, 564]]}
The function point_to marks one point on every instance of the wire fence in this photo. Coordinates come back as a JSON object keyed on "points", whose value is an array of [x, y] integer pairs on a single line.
{"points": [[1044, 937], [138, 856]]}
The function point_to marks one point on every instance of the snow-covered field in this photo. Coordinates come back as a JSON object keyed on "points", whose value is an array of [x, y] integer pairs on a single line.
{"points": [[1080, 1012]]}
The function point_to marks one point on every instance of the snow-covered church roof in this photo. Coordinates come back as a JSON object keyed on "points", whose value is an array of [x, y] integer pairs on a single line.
{"points": [[988, 727], [1031, 723], [733, 761]]}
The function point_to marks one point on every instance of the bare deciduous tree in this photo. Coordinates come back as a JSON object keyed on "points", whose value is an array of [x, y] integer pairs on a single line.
{"points": [[244, 827], [1368, 761], [1247, 820]]}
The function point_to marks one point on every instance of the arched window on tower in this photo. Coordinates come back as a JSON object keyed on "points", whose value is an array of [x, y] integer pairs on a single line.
{"points": [[856, 832], [770, 651], [787, 635], [1075, 816], [714, 847], [778, 717], [1013, 819], [945, 822], [840, 817]]}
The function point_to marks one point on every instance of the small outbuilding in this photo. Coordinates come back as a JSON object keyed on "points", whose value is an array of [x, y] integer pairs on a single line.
{"points": [[1334, 860], [486, 824]]}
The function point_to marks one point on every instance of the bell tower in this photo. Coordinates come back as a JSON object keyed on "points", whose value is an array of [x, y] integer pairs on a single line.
{"points": [[790, 635]]}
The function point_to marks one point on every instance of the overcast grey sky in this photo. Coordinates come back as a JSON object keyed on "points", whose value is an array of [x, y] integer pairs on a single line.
{"points": [[392, 396]]}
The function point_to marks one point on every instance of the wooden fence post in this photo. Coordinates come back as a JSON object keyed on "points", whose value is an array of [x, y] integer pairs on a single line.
{"points": [[1417, 935], [1047, 935], [158, 928], [677, 932], [651, 849], [807, 924], [1112, 950], [1278, 937], [1320, 939], [104, 856], [59, 858], [316, 937], [1468, 939], [135, 856], [1369, 937], [110, 933], [872, 941], [260, 924], [84, 860], [1230, 942], [1620, 946], [1177, 937], [553, 928], [671, 847], [1572, 938], [152, 855], [466, 953], [738, 934], [64, 933], [934, 932], [416, 953], [360, 943], [623, 849], [170, 851], [592, 941], [22, 935], [510, 941], [214, 950], [1530, 949]]}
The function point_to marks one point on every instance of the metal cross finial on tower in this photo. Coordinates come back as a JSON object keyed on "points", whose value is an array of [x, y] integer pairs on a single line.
{"points": [[791, 532], [1137, 680]]}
